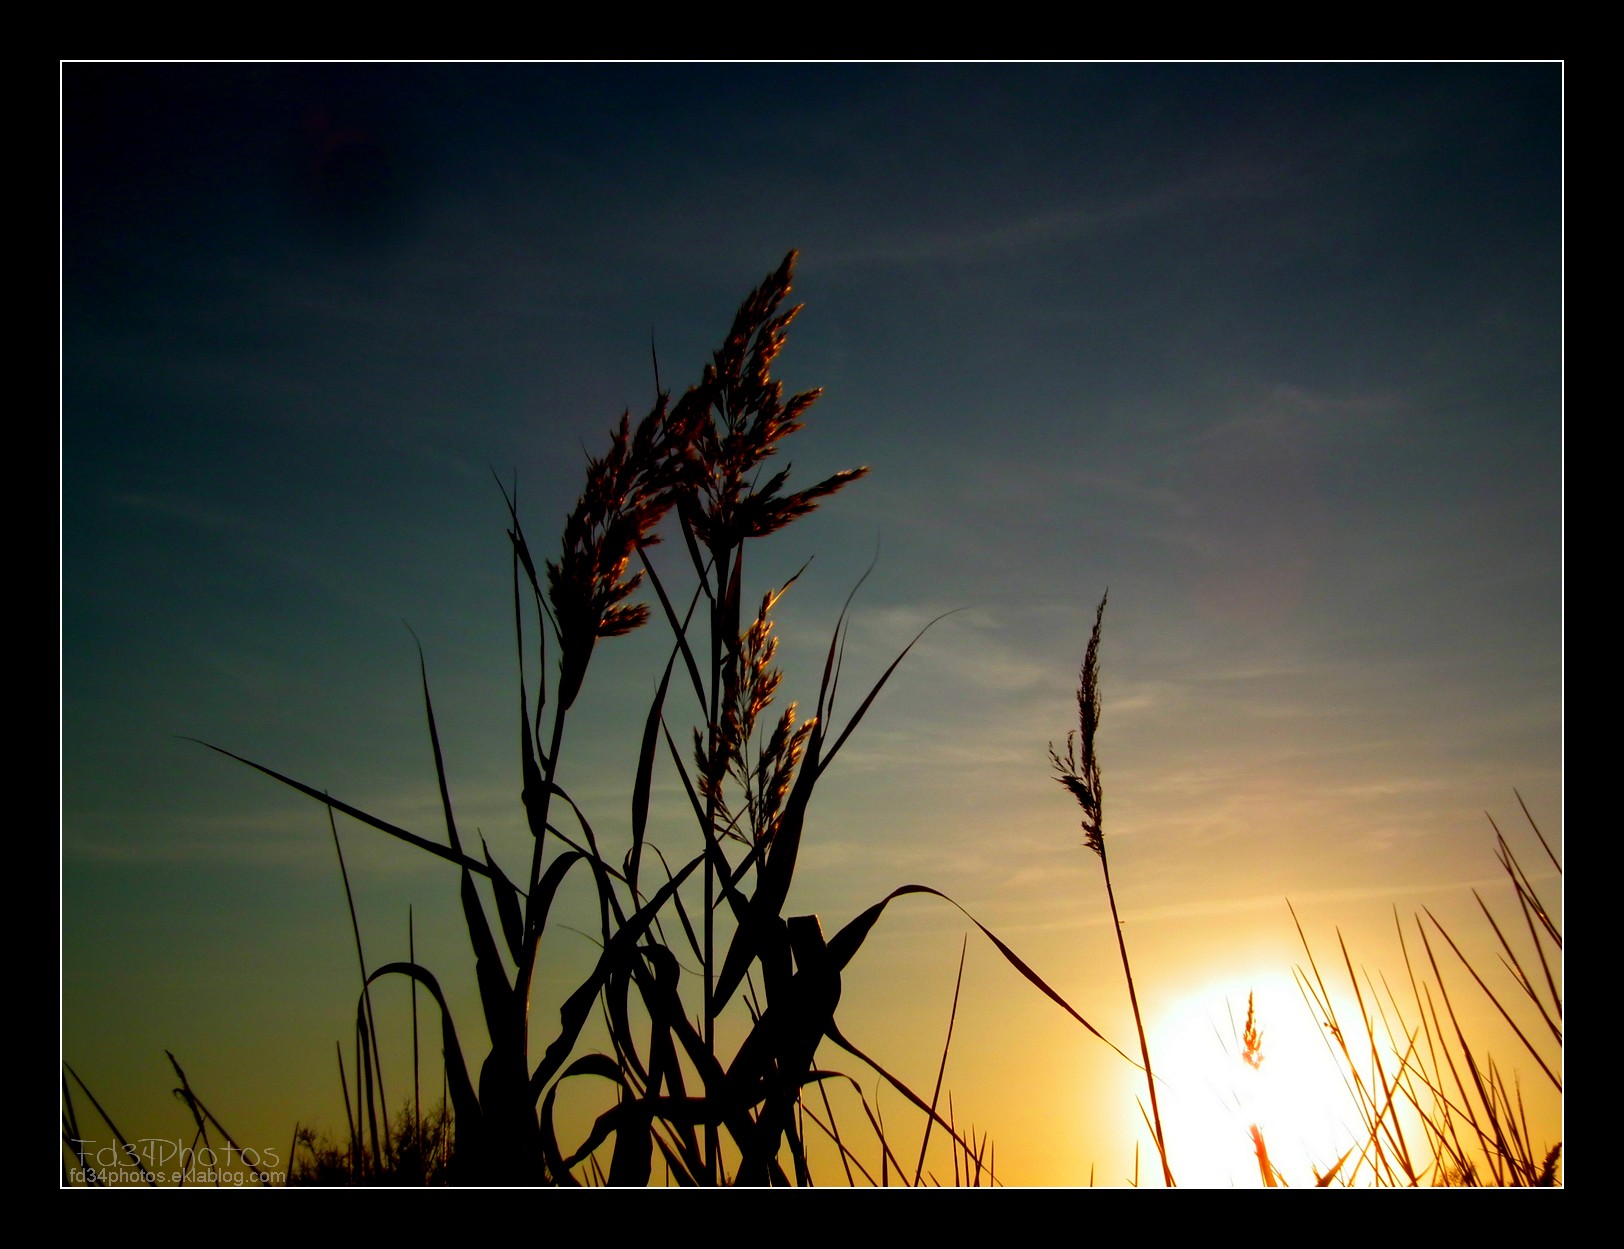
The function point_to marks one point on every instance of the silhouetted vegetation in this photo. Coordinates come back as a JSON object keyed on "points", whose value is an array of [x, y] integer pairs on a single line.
{"points": [[419, 1152], [681, 944], [689, 940]]}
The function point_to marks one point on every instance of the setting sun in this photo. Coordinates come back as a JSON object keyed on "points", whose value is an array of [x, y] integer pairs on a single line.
{"points": [[1292, 1093]]}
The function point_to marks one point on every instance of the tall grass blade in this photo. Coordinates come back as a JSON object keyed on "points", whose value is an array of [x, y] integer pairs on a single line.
{"points": [[434, 742], [201, 1113], [874, 693], [1539, 949], [643, 784], [383, 826], [417, 1083], [833, 1132], [349, 1114], [74, 1141], [1533, 825], [679, 628], [1387, 1128], [1494, 1000], [1495, 1149], [1524, 887], [368, 1029], [365, 1049], [509, 915], [1514, 965], [913, 1098]]}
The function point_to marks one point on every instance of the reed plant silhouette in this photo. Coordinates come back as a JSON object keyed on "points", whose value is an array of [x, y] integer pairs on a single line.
{"points": [[661, 980]]}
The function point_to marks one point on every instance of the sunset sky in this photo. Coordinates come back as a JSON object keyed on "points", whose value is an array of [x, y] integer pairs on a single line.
{"points": [[1271, 352]]}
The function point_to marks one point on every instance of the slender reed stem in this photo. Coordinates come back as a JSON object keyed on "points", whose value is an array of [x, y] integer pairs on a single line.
{"points": [[1080, 774], [1138, 1019], [417, 1083], [713, 749], [532, 944]]}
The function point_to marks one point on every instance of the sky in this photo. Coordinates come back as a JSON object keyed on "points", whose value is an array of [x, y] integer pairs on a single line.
{"points": [[1270, 352]]}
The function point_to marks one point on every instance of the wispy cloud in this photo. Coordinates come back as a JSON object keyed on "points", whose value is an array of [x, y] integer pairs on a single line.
{"points": [[1059, 226]]}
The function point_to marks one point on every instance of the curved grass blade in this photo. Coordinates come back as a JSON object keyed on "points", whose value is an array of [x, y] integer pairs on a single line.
{"points": [[521, 552], [349, 1114], [504, 1011], [617, 1010], [550, 881], [845, 944], [688, 929], [677, 1169], [557, 1164], [552, 787], [464, 1102]]}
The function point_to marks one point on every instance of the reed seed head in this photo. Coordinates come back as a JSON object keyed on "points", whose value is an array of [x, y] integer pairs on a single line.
{"points": [[735, 419], [628, 491], [1252, 1036], [750, 686], [1079, 768]]}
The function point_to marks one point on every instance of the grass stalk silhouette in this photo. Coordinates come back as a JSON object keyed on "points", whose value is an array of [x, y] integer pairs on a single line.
{"points": [[1079, 772]]}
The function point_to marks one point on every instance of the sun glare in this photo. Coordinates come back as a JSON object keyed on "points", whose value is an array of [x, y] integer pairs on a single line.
{"points": [[1243, 1106]]}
